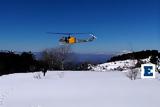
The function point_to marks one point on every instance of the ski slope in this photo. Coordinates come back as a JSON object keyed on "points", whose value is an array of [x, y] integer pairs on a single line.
{"points": [[77, 89]]}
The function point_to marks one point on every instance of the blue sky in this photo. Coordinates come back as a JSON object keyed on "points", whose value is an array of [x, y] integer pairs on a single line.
{"points": [[118, 24]]}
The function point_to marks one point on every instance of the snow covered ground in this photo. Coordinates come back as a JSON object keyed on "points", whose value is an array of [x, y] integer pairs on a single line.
{"points": [[114, 65], [77, 89], [117, 65]]}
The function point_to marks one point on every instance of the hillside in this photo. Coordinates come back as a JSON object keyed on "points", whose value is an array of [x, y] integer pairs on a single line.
{"points": [[116, 65], [129, 60], [136, 55], [120, 65]]}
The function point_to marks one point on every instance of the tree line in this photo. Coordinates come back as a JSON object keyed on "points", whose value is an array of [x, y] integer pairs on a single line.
{"points": [[11, 62], [153, 54], [58, 58]]}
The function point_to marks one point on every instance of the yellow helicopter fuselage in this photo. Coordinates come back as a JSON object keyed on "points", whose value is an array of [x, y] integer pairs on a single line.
{"points": [[71, 40]]}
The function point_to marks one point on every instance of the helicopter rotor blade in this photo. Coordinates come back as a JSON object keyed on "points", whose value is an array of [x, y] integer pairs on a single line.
{"points": [[69, 33]]}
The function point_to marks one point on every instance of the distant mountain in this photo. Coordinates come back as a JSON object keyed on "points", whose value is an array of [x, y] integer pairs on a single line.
{"points": [[123, 52], [83, 57], [93, 58]]}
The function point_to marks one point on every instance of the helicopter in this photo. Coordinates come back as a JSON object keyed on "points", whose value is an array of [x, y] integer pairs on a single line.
{"points": [[69, 38]]}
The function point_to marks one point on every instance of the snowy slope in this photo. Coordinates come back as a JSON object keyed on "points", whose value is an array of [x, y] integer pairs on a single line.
{"points": [[117, 65], [77, 89]]}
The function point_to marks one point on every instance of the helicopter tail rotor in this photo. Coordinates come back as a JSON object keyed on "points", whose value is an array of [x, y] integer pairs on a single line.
{"points": [[94, 37]]}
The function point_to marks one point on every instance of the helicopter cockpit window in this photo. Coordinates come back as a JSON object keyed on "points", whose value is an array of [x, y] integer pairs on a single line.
{"points": [[66, 39]]}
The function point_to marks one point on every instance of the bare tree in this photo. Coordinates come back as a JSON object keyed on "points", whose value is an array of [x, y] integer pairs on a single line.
{"points": [[133, 71], [48, 57], [62, 54], [55, 57]]}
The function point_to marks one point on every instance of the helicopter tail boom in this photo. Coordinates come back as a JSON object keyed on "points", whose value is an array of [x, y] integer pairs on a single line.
{"points": [[86, 40]]}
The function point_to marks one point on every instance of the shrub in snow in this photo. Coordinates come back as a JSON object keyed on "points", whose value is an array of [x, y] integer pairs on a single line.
{"points": [[37, 75], [132, 73], [119, 68], [1, 99], [3, 96], [36, 106], [90, 66], [154, 59], [138, 64], [60, 74], [103, 68]]}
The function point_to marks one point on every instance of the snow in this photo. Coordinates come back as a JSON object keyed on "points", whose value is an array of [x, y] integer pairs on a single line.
{"points": [[77, 89], [114, 65], [117, 65]]}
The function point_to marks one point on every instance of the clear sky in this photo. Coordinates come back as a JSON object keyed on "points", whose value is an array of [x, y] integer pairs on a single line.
{"points": [[118, 24]]}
